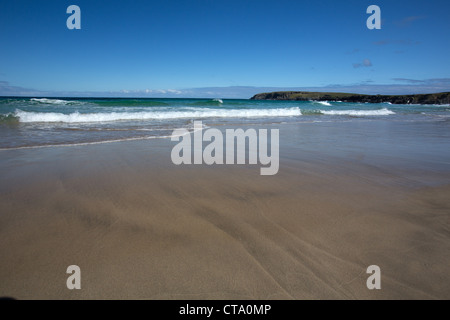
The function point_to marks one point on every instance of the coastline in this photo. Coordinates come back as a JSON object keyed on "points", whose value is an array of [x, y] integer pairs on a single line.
{"points": [[140, 227], [422, 99]]}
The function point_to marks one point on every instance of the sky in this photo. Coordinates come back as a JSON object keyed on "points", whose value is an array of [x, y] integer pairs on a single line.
{"points": [[222, 48]]}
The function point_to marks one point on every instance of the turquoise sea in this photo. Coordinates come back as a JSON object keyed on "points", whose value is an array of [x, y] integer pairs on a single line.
{"points": [[42, 122]]}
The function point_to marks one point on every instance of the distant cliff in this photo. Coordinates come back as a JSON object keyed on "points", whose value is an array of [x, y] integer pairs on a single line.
{"points": [[432, 98]]}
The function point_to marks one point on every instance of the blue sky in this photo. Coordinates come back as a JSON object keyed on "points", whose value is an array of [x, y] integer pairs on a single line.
{"points": [[225, 47]]}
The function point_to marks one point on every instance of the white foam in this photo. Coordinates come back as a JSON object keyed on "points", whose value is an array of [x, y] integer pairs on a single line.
{"points": [[218, 100], [325, 103], [51, 101], [118, 116], [358, 113], [84, 143]]}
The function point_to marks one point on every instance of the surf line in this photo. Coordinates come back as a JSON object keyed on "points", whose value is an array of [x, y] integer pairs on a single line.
{"points": [[213, 153]]}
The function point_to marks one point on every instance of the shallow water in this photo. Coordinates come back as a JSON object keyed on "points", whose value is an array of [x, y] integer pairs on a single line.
{"points": [[37, 122]]}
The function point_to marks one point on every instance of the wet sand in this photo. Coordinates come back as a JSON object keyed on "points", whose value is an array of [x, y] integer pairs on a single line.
{"points": [[140, 227]]}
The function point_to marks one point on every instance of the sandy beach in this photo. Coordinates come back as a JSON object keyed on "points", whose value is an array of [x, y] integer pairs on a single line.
{"points": [[225, 150], [140, 227]]}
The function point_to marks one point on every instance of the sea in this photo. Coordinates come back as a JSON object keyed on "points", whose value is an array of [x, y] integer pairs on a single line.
{"points": [[36, 122]]}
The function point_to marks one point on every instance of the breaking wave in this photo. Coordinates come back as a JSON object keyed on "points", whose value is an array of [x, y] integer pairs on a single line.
{"points": [[53, 101], [75, 117], [324, 103], [358, 113]]}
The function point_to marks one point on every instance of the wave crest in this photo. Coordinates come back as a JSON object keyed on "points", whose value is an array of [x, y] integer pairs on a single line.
{"points": [[358, 113], [52, 101], [75, 117], [324, 103]]}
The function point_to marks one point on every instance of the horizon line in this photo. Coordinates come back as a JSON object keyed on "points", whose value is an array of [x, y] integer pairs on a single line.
{"points": [[206, 98]]}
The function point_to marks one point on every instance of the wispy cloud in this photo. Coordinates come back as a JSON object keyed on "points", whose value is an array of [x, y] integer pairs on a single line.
{"points": [[405, 86], [411, 86], [356, 50], [364, 63], [161, 91], [409, 20], [405, 42], [425, 81], [408, 80], [8, 90]]}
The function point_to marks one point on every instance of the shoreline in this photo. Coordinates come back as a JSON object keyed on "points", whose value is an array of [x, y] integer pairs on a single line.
{"points": [[440, 98]]}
